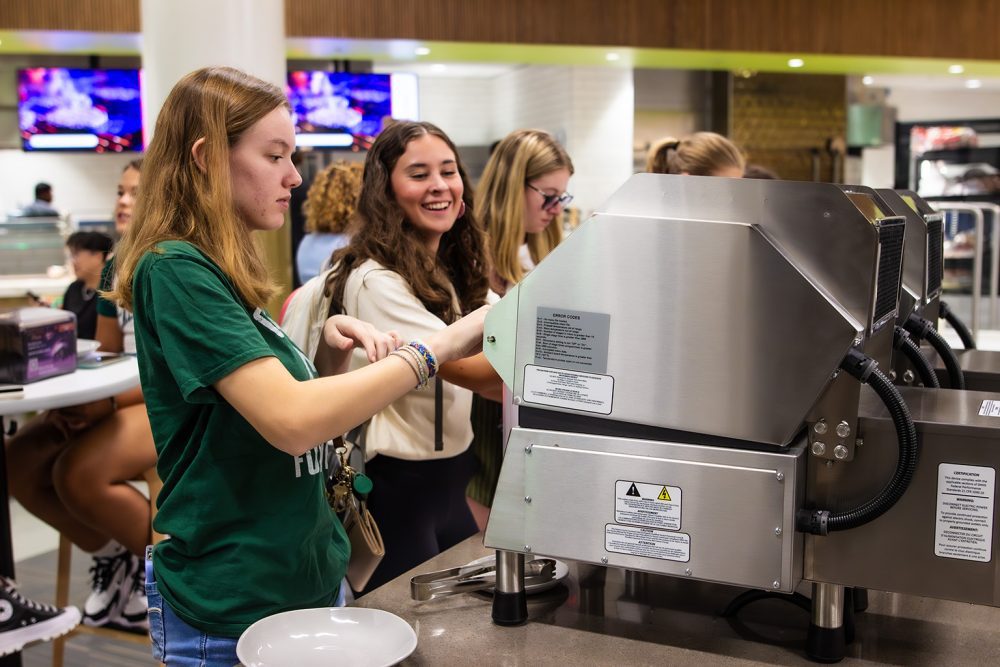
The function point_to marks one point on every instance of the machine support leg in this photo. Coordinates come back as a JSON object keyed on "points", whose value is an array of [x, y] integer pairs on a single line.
{"points": [[510, 604], [826, 641]]}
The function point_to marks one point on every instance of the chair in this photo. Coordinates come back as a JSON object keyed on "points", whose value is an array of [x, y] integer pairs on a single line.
{"points": [[153, 484]]}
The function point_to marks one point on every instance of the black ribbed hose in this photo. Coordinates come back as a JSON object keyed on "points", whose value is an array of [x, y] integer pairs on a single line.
{"points": [[820, 522], [901, 341], [958, 325], [924, 330]]}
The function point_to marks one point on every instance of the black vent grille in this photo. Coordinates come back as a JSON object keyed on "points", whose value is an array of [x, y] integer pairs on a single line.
{"points": [[890, 244], [935, 251]]}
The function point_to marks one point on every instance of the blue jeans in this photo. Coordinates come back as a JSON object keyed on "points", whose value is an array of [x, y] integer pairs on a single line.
{"points": [[177, 644]]}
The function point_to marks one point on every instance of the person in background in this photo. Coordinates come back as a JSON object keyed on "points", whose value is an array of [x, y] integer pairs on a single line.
{"points": [[520, 200], [71, 468], [42, 206], [88, 252], [333, 196], [241, 423], [700, 154], [759, 171], [415, 263]]}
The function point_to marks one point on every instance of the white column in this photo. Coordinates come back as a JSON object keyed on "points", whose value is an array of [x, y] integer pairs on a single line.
{"points": [[179, 36]]}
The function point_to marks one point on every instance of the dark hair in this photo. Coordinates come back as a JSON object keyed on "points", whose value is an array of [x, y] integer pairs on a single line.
{"points": [[134, 164], [42, 189], [759, 171], [92, 241], [382, 233]]}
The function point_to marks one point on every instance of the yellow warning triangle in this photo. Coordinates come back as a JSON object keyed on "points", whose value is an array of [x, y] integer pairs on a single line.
{"points": [[663, 494]]}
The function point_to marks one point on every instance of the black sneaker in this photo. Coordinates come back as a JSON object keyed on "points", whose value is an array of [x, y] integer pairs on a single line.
{"points": [[110, 584], [23, 621]]}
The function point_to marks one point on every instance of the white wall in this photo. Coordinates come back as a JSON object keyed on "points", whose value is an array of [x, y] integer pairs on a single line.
{"points": [[914, 104], [461, 106], [82, 184]]}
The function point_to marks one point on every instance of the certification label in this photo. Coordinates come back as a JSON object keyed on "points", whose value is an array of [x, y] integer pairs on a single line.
{"points": [[989, 408], [568, 389], [648, 542], [572, 339], [964, 525], [651, 505]]}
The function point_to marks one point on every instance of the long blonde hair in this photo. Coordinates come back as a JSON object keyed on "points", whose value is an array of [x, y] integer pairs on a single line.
{"points": [[700, 154], [521, 157], [180, 200]]}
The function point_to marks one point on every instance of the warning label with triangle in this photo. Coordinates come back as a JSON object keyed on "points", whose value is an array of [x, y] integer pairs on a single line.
{"points": [[648, 504]]}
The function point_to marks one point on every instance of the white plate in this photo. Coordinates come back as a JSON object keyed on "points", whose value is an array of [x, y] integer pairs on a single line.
{"points": [[561, 571], [85, 346], [330, 636]]}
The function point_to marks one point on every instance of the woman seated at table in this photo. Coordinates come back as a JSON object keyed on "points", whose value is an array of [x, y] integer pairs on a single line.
{"points": [[71, 467]]}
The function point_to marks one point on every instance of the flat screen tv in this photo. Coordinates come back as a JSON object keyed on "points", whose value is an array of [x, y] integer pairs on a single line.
{"points": [[91, 110], [345, 110]]}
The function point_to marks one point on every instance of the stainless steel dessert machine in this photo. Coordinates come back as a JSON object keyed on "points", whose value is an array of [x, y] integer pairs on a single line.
{"points": [[695, 389]]}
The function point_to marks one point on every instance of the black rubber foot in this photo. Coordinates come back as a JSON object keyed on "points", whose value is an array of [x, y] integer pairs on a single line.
{"points": [[510, 608], [825, 644], [860, 600]]}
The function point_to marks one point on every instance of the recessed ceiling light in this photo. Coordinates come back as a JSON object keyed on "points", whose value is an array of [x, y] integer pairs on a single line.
{"points": [[438, 67], [868, 80], [422, 51], [612, 57], [956, 69], [796, 62], [973, 83]]}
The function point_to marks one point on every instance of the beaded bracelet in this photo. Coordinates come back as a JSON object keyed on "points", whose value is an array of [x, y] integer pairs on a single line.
{"points": [[409, 362], [416, 362], [425, 352]]}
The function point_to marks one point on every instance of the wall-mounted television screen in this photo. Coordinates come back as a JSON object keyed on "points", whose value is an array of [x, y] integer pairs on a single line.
{"points": [[95, 110], [345, 110]]}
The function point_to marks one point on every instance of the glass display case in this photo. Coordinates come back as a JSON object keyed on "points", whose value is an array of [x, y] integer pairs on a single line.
{"points": [[29, 246]]}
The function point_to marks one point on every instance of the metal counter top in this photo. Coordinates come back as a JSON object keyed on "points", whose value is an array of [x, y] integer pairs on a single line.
{"points": [[605, 616]]}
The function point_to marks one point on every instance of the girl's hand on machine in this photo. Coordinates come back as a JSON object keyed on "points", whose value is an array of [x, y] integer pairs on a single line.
{"points": [[344, 333], [460, 339]]}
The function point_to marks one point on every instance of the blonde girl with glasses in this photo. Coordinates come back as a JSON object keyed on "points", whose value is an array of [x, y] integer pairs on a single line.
{"points": [[520, 201]]}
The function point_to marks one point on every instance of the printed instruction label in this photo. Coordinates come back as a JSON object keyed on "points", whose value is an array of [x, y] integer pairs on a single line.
{"points": [[652, 505], [989, 408], [647, 542], [963, 527], [572, 339], [562, 388]]}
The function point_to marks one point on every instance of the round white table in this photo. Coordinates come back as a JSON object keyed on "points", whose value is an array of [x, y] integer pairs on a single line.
{"points": [[82, 386]]}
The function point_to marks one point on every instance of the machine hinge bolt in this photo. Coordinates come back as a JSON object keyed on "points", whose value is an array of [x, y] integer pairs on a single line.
{"points": [[908, 376], [775, 584], [517, 400], [687, 571], [859, 442], [858, 339], [819, 428], [527, 450], [604, 559], [843, 430], [777, 531], [833, 376], [527, 499], [840, 452], [818, 448], [491, 339], [780, 476], [527, 548]]}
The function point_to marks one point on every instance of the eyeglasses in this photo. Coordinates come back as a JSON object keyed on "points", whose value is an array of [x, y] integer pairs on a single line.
{"points": [[548, 201]]}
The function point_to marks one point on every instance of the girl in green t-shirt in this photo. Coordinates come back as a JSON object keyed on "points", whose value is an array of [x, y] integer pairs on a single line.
{"points": [[239, 419]]}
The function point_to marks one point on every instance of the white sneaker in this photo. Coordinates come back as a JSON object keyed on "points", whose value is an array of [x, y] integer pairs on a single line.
{"points": [[23, 621], [111, 580], [132, 615]]}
